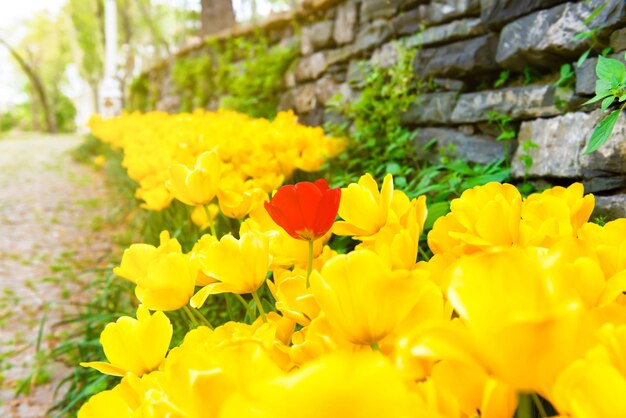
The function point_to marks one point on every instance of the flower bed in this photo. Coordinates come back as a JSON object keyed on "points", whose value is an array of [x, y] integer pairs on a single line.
{"points": [[520, 308]]}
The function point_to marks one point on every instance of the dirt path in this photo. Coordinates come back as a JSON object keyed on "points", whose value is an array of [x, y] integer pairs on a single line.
{"points": [[52, 212]]}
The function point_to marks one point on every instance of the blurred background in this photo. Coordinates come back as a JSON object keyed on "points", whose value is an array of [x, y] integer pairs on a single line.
{"points": [[52, 53]]}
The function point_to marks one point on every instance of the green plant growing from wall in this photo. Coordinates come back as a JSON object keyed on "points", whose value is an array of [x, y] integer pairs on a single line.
{"points": [[610, 87], [378, 143], [507, 133], [252, 74], [192, 77]]}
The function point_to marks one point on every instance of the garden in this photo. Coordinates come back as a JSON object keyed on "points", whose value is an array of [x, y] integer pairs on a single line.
{"points": [[311, 221]]}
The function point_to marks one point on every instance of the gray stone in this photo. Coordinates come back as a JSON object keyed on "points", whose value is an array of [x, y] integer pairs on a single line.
{"points": [[316, 36], [458, 59], [376, 9], [371, 35], [447, 84], [610, 207], [339, 55], [325, 89], [559, 142], [305, 98], [433, 13], [311, 67], [434, 108], [586, 75], [610, 157], [345, 23], [408, 23], [473, 148], [547, 37], [618, 40], [603, 184], [495, 13], [440, 11], [386, 55], [449, 32], [287, 101], [517, 102]]}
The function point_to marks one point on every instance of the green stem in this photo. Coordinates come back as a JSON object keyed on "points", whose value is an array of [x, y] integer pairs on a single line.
{"points": [[423, 253], [190, 316], [259, 306], [208, 215], [242, 301], [539, 405], [525, 406], [309, 267], [203, 319]]}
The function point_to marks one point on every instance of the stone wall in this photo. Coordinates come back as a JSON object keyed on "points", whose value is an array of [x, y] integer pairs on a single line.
{"points": [[463, 46]]}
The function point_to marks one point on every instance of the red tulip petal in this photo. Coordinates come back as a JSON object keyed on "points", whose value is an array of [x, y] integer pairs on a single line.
{"points": [[285, 210], [321, 184], [308, 196], [278, 217], [327, 211]]}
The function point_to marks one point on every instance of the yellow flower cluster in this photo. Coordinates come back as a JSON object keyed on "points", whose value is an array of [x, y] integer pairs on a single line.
{"points": [[243, 159], [522, 298]]}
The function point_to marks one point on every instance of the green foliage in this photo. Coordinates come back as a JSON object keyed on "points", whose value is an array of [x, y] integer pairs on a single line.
{"points": [[566, 76], [240, 74], [251, 84], [378, 143], [502, 79], [64, 113], [610, 86], [507, 133], [8, 121], [192, 78], [139, 94]]}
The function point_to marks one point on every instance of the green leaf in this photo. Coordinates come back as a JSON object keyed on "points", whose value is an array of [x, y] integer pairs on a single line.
{"points": [[607, 102], [435, 211], [583, 58], [609, 68], [602, 132], [595, 13]]}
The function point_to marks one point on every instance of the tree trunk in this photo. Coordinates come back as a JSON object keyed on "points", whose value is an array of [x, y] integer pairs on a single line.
{"points": [[216, 16], [40, 91]]}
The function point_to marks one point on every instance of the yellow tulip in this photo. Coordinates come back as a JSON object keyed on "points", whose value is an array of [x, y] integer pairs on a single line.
{"points": [[138, 257], [340, 385], [198, 185], [362, 296], [363, 208], [135, 346], [554, 214], [293, 299], [199, 379], [483, 217], [594, 385], [169, 283], [526, 321], [200, 218], [240, 266], [397, 243]]}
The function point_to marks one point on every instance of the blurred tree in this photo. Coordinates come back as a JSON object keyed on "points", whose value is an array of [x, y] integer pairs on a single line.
{"points": [[216, 15], [88, 42], [37, 87]]}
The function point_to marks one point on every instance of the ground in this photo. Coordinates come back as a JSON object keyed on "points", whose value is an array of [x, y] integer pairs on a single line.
{"points": [[52, 236]]}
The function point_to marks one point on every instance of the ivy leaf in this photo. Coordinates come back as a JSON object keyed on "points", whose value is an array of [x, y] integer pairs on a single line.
{"points": [[607, 102], [602, 132], [609, 69]]}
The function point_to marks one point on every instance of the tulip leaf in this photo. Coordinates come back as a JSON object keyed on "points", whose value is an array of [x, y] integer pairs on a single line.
{"points": [[435, 211], [602, 132]]}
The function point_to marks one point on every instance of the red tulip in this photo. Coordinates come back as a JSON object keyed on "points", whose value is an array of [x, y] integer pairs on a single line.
{"points": [[305, 210]]}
